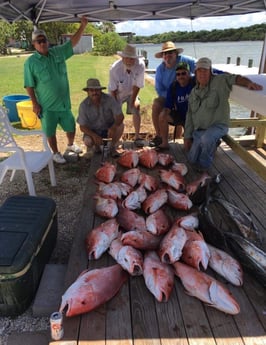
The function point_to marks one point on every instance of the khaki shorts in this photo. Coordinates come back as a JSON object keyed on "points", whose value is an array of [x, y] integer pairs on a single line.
{"points": [[131, 110]]}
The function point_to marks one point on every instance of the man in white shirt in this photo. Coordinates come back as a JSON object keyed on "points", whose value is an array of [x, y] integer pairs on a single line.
{"points": [[125, 80]]}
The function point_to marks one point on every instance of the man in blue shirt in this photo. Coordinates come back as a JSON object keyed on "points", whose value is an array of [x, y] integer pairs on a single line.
{"points": [[176, 104], [165, 75]]}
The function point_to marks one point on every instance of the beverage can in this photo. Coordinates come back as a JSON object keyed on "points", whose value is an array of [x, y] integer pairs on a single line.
{"points": [[56, 325]]}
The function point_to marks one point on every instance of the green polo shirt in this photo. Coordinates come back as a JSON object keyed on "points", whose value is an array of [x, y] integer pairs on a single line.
{"points": [[48, 76], [209, 105]]}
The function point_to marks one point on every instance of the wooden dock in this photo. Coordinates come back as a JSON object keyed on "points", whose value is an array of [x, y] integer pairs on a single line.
{"points": [[133, 316]]}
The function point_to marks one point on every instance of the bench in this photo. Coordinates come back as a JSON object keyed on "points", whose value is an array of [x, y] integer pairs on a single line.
{"points": [[260, 124]]}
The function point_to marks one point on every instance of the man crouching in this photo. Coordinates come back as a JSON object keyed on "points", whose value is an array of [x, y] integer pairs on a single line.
{"points": [[100, 116]]}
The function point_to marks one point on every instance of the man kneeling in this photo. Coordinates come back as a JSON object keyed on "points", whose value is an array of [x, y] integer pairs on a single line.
{"points": [[100, 116]]}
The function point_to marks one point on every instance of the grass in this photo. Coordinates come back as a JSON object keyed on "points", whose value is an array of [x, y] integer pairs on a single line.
{"points": [[80, 68]]}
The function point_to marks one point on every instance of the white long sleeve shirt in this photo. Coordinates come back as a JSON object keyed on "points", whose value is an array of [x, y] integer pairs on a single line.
{"points": [[122, 81]]}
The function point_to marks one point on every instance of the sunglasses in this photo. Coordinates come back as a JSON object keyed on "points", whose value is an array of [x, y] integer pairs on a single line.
{"points": [[181, 73], [42, 40]]}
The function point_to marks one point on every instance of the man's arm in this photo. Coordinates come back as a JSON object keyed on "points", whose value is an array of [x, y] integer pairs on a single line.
{"points": [[36, 106], [114, 94], [244, 81], [135, 91], [76, 37], [97, 140]]}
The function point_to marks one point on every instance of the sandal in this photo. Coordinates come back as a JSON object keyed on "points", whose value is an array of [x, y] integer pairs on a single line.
{"points": [[156, 141], [139, 142], [115, 153]]}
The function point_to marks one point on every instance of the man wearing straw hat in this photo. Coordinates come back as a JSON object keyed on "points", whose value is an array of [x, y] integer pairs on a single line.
{"points": [[100, 116], [164, 77], [126, 79]]}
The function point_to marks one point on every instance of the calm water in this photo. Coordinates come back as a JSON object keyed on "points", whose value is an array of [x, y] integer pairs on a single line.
{"points": [[218, 53]]}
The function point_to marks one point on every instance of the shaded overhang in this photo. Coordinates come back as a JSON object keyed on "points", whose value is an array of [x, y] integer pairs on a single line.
{"points": [[122, 10]]}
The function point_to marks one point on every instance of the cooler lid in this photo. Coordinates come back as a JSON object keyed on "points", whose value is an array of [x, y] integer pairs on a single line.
{"points": [[24, 223], [10, 244]]}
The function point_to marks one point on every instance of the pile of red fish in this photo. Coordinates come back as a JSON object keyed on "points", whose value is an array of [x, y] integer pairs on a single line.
{"points": [[144, 238]]}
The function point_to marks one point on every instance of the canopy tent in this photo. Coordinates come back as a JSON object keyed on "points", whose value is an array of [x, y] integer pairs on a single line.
{"points": [[40, 11]]}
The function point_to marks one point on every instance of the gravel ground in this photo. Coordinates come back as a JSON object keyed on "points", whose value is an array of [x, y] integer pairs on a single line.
{"points": [[68, 195]]}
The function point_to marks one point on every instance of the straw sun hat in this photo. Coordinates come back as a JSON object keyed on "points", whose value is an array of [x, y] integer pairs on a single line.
{"points": [[166, 47]]}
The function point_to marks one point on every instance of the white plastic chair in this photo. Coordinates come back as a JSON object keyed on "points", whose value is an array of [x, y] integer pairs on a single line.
{"points": [[18, 158]]}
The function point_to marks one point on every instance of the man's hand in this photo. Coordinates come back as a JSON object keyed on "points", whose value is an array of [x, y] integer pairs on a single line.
{"points": [[83, 21], [36, 109], [187, 144], [97, 140], [254, 86]]}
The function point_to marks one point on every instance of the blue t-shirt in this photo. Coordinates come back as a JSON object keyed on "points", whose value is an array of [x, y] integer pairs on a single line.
{"points": [[177, 97], [165, 76]]}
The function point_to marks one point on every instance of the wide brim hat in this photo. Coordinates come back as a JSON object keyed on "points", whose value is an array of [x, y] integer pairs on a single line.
{"points": [[166, 47], [204, 63], [93, 83], [37, 33], [128, 52]]}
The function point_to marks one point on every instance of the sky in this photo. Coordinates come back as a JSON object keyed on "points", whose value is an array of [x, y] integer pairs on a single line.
{"points": [[147, 28]]}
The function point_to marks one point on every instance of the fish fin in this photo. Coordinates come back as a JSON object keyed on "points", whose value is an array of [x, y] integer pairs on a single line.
{"points": [[213, 292]]}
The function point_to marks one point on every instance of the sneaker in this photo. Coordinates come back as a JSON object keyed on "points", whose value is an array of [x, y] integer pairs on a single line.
{"points": [[139, 142], [74, 148], [58, 158]]}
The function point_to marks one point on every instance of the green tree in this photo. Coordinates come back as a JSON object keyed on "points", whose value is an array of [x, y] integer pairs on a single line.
{"points": [[108, 44], [106, 27], [5, 34]]}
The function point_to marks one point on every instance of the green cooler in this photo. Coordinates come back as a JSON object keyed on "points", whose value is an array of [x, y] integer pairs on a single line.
{"points": [[28, 232]]}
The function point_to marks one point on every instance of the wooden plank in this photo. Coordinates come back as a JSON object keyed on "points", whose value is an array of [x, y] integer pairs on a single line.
{"points": [[259, 155], [240, 164], [145, 328], [171, 326], [257, 296], [133, 316], [260, 132], [118, 319], [196, 324], [248, 158], [237, 186], [92, 325], [240, 182], [78, 256], [259, 123], [249, 326], [247, 122]]}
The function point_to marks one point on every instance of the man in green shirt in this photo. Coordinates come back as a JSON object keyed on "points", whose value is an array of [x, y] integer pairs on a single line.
{"points": [[46, 81], [208, 114]]}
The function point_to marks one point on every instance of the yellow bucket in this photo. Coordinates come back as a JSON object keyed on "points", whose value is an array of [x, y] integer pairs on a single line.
{"points": [[27, 117]]}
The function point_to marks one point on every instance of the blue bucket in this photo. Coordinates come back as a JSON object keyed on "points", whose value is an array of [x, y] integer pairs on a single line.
{"points": [[10, 102]]}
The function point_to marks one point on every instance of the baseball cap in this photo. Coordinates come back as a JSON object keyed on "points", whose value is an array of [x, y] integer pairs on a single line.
{"points": [[204, 63], [37, 33]]}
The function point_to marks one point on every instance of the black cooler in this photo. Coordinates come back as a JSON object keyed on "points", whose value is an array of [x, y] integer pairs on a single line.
{"points": [[28, 231]]}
